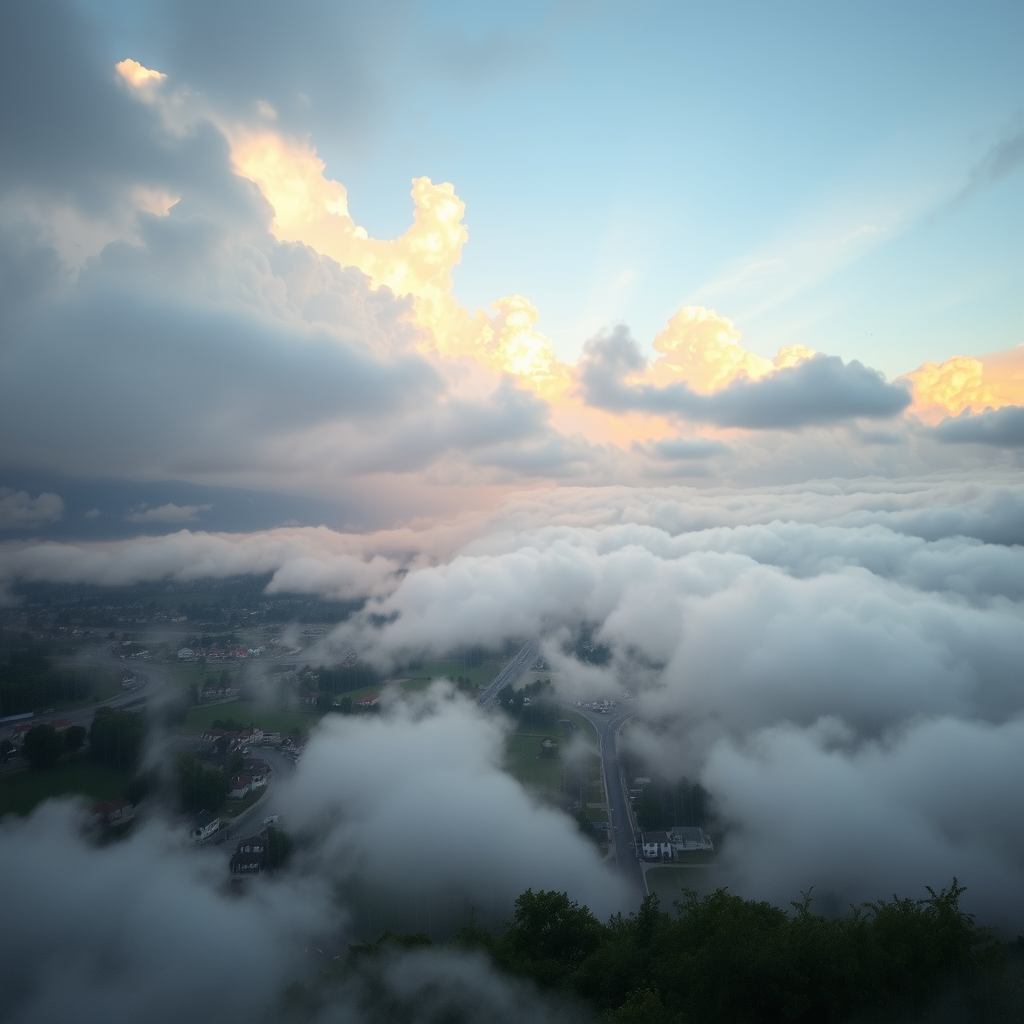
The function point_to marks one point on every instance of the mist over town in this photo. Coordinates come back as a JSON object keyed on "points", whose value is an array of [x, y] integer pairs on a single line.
{"points": [[590, 591]]}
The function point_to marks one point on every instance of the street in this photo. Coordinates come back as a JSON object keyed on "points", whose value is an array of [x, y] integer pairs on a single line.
{"points": [[619, 812]]}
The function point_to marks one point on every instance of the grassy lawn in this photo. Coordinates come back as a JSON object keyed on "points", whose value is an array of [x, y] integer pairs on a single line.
{"points": [[523, 760], [22, 791], [231, 809], [480, 675], [201, 719], [585, 726]]}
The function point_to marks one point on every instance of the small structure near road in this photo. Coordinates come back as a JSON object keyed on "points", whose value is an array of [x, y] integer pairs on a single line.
{"points": [[680, 839], [250, 858], [113, 812], [205, 824], [239, 786]]}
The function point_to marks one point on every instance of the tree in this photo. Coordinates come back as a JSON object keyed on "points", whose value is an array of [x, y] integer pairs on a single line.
{"points": [[279, 848], [74, 738], [43, 747], [200, 786], [116, 738]]}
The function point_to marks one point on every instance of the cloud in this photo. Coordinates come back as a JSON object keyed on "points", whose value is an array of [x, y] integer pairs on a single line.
{"points": [[142, 929], [18, 511], [429, 771], [169, 513], [674, 449], [1001, 428], [409, 807], [821, 389]]}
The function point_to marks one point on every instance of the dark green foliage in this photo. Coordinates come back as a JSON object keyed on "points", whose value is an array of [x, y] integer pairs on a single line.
{"points": [[43, 747], [723, 958], [200, 787], [141, 786], [663, 805], [116, 738], [279, 848], [532, 704], [28, 680], [347, 678], [227, 724], [74, 738]]}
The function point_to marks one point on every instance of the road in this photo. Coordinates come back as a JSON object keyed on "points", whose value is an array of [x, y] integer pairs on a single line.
{"points": [[251, 821], [510, 674], [152, 679], [620, 814]]}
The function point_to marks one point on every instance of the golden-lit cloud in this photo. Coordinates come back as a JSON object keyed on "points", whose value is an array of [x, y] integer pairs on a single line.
{"points": [[703, 348], [971, 384], [311, 208], [698, 346], [137, 76]]}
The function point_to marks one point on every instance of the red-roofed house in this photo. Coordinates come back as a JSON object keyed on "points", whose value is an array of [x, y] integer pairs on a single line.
{"points": [[239, 787]]}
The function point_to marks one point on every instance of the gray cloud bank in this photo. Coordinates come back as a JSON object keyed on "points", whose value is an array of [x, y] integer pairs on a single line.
{"points": [[871, 632], [410, 807], [819, 390], [1000, 428]]}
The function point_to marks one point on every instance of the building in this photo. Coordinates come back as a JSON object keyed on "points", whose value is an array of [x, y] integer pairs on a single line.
{"points": [[186, 654], [205, 824], [685, 838], [239, 786], [113, 812], [656, 845], [250, 858]]}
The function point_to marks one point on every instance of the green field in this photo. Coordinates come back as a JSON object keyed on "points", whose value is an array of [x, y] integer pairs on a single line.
{"points": [[201, 719], [452, 668], [20, 792]]}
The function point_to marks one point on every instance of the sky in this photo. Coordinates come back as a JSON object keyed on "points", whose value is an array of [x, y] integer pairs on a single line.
{"points": [[699, 325]]}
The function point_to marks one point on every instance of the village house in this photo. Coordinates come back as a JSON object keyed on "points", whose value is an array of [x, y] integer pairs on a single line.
{"points": [[205, 824], [239, 786], [656, 845], [113, 812], [250, 858]]}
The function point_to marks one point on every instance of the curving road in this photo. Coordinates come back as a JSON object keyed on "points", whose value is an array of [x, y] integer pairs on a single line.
{"points": [[152, 679]]}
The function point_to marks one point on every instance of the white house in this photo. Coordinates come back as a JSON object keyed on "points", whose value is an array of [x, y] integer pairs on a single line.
{"points": [[205, 825], [656, 845], [186, 654]]}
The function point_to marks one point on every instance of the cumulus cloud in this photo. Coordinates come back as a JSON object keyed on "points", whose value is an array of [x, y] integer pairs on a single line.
{"points": [[820, 389], [169, 513], [139, 930], [19, 511], [1001, 428], [427, 776], [410, 807]]}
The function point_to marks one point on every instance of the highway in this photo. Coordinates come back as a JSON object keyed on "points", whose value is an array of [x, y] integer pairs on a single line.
{"points": [[510, 674], [152, 679], [619, 812]]}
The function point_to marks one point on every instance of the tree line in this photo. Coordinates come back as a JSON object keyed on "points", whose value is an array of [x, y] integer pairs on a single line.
{"points": [[722, 959]]}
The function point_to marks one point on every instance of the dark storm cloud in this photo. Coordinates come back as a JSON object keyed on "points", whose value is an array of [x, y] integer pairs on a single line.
{"points": [[1000, 428], [819, 390]]}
